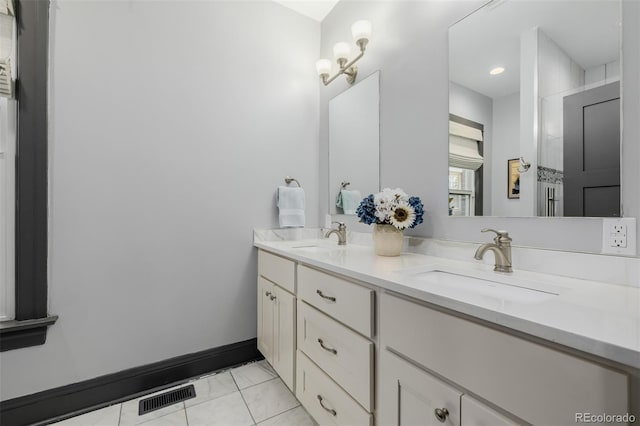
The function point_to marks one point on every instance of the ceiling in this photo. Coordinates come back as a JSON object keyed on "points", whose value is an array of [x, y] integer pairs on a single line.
{"points": [[587, 31], [314, 9]]}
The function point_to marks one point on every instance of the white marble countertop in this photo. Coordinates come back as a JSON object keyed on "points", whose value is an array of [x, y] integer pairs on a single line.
{"points": [[594, 317]]}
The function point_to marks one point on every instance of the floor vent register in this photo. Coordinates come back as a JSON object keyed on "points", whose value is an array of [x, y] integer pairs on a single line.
{"points": [[165, 399]]}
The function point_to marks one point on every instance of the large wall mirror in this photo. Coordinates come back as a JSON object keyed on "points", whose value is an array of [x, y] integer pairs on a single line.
{"points": [[354, 145], [534, 104]]}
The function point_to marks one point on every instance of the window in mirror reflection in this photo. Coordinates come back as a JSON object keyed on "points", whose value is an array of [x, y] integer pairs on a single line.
{"points": [[465, 167], [556, 103]]}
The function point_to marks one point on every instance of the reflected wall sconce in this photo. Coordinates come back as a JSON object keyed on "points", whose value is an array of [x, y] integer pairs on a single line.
{"points": [[361, 32], [524, 166]]}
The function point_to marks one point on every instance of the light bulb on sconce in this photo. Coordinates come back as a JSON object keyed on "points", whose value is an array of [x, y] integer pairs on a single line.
{"points": [[361, 32], [323, 66], [341, 52]]}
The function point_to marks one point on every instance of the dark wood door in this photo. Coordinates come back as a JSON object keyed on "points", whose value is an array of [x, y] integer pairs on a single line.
{"points": [[592, 152]]}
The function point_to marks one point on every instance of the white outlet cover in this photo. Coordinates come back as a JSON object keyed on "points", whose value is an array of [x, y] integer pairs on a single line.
{"points": [[607, 237]]}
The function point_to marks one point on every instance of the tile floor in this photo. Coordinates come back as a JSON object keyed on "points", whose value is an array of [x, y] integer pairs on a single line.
{"points": [[248, 395]]}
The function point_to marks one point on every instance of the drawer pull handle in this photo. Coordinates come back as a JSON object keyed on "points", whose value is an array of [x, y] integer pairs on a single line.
{"points": [[272, 297], [441, 414], [332, 299], [333, 351], [330, 410], [267, 293]]}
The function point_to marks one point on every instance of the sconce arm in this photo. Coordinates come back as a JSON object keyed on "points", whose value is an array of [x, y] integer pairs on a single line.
{"points": [[347, 69]]}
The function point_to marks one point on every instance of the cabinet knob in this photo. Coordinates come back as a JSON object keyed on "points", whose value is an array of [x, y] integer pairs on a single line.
{"points": [[267, 293], [441, 414], [272, 297], [330, 410]]}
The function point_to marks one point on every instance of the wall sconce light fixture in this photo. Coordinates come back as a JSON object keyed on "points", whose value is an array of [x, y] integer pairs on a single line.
{"points": [[361, 32], [524, 166]]}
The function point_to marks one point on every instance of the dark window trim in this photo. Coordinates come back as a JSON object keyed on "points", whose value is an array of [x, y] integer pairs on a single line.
{"points": [[32, 18]]}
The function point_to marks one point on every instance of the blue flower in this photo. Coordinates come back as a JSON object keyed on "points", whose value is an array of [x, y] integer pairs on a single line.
{"points": [[366, 211], [419, 208]]}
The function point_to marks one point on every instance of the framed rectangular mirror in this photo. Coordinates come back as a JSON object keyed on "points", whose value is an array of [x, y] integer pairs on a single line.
{"points": [[354, 145], [537, 82]]}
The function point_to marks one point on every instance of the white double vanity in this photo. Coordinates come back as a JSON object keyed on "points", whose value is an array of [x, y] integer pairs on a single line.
{"points": [[420, 339]]}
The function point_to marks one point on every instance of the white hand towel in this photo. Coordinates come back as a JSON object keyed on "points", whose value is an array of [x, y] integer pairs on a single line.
{"points": [[350, 200], [291, 204]]}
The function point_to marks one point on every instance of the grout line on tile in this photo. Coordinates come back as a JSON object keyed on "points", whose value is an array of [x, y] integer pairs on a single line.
{"points": [[212, 399], [186, 418], [279, 414], [244, 400], [120, 414], [262, 383]]}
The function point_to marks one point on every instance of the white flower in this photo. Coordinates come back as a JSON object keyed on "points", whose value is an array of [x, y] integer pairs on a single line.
{"points": [[403, 216], [395, 194], [384, 202], [382, 214], [387, 201]]}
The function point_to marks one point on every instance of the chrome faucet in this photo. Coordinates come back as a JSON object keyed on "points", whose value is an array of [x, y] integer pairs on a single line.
{"points": [[501, 248], [341, 232]]}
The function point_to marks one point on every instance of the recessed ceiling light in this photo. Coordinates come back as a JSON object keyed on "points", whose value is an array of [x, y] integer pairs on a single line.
{"points": [[496, 71]]}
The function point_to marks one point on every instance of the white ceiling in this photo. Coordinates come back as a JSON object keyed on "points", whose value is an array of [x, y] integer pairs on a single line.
{"points": [[315, 9], [586, 30]]}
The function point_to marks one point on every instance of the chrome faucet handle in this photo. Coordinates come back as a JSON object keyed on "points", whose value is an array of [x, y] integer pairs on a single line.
{"points": [[501, 236], [341, 225]]}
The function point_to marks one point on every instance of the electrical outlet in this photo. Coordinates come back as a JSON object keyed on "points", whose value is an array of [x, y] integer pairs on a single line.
{"points": [[619, 242], [618, 236], [619, 228]]}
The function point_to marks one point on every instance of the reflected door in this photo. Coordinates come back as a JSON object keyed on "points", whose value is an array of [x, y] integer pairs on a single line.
{"points": [[592, 152]]}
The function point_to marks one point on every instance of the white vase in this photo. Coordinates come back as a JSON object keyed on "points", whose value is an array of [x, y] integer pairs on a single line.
{"points": [[387, 240]]}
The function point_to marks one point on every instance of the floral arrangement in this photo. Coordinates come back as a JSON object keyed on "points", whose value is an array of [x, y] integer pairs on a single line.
{"points": [[391, 207]]}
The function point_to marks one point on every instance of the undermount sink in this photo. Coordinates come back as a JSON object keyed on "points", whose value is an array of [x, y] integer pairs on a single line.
{"points": [[465, 287], [312, 249]]}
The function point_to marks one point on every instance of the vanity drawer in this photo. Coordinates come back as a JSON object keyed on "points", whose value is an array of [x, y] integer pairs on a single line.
{"points": [[342, 353], [345, 301], [327, 402], [508, 371], [277, 269]]}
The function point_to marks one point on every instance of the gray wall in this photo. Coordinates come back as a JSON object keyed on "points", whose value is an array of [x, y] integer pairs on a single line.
{"points": [[172, 123], [409, 46], [506, 134]]}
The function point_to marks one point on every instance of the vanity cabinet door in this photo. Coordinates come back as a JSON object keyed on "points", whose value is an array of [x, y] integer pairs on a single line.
{"points": [[284, 331], [474, 413], [277, 328], [265, 319], [410, 396]]}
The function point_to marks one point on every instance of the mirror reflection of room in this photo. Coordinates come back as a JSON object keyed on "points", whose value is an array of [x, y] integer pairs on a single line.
{"points": [[537, 83], [354, 153]]}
